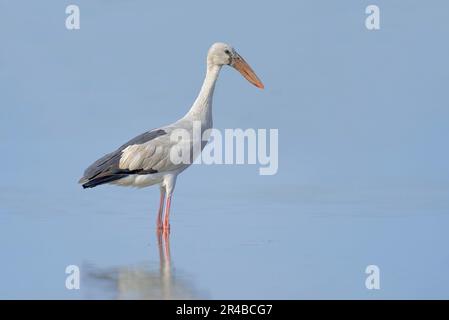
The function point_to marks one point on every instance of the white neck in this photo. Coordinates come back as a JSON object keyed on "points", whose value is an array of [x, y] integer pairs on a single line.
{"points": [[202, 107]]}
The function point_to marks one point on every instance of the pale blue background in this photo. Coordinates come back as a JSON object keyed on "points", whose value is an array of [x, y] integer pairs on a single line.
{"points": [[363, 122]]}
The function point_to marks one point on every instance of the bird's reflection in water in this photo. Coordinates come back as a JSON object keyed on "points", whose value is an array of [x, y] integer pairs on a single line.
{"points": [[142, 282]]}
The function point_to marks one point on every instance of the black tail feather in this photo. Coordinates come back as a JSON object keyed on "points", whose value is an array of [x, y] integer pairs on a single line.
{"points": [[102, 180]]}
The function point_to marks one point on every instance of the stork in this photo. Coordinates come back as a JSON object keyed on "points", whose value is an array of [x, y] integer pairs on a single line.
{"points": [[145, 160]]}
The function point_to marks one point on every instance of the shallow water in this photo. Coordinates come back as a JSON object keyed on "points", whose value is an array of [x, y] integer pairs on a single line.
{"points": [[228, 246]]}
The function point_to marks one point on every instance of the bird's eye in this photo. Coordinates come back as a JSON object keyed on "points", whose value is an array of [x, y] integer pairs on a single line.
{"points": [[227, 51]]}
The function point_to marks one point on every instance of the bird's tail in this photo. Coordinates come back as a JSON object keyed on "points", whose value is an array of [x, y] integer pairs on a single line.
{"points": [[90, 183]]}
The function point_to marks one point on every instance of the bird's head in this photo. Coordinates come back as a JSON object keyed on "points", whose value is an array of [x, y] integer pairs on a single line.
{"points": [[223, 54]]}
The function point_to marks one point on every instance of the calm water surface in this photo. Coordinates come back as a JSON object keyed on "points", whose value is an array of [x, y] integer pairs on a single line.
{"points": [[316, 244]]}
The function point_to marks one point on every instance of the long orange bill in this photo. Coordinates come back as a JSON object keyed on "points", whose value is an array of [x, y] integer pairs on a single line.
{"points": [[243, 67]]}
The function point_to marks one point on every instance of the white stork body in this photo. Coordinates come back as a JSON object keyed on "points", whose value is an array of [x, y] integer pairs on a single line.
{"points": [[145, 160]]}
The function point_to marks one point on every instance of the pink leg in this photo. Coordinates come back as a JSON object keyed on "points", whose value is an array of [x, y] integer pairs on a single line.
{"points": [[167, 213], [161, 209]]}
